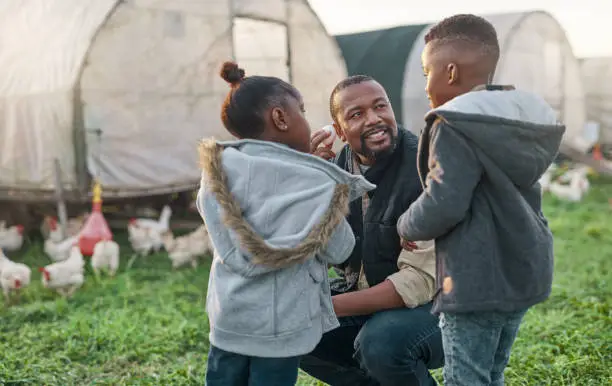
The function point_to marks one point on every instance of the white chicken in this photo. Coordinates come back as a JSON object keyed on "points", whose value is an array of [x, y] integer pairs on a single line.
{"points": [[162, 225], [59, 251], [546, 178], [65, 276], [105, 257], [186, 249], [13, 276], [11, 238], [73, 227], [144, 240], [577, 188], [55, 232]]}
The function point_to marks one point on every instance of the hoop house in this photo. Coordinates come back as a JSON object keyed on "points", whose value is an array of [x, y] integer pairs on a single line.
{"points": [[535, 56], [597, 76], [145, 74]]}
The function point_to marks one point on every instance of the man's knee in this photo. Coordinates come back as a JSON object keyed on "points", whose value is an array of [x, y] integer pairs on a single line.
{"points": [[399, 341], [373, 352], [378, 350]]}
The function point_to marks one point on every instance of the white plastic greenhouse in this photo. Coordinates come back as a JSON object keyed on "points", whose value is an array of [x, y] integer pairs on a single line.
{"points": [[145, 74], [535, 55], [597, 77]]}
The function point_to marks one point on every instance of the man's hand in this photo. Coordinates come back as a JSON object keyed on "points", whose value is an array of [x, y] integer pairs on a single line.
{"points": [[316, 139], [408, 245]]}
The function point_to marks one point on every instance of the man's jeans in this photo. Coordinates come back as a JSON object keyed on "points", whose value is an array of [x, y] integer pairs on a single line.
{"points": [[477, 346], [229, 369], [389, 348]]}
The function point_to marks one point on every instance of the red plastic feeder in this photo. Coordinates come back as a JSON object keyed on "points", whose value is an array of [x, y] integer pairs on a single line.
{"points": [[95, 228]]}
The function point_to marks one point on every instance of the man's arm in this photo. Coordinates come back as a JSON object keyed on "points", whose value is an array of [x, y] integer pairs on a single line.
{"points": [[411, 286], [380, 297], [454, 174]]}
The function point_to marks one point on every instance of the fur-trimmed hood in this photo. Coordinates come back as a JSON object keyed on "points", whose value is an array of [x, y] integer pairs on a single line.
{"points": [[282, 205]]}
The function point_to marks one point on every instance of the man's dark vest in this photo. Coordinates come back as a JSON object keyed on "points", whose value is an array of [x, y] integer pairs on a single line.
{"points": [[397, 186]]}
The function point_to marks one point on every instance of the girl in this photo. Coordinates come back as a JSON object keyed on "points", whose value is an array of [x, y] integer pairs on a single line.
{"points": [[276, 218]]}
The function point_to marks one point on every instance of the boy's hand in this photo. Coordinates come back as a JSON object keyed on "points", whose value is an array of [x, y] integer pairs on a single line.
{"points": [[408, 245]]}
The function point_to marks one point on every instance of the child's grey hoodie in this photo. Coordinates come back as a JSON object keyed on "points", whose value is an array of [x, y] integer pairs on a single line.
{"points": [[480, 158], [276, 218]]}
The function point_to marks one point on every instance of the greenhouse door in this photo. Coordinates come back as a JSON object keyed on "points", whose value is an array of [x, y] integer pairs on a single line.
{"points": [[260, 47]]}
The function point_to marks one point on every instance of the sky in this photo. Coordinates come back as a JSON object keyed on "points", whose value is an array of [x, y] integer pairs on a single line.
{"points": [[588, 23]]}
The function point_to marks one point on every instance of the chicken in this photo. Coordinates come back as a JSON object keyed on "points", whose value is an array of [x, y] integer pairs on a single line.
{"points": [[186, 249], [55, 232], [73, 227], [105, 257], [162, 225], [11, 238], [144, 240], [59, 251], [578, 185], [546, 178], [13, 276], [65, 276]]}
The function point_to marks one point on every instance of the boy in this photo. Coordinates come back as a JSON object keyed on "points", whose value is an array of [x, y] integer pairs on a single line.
{"points": [[480, 157]]}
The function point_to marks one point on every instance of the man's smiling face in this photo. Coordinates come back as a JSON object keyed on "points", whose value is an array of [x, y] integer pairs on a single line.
{"points": [[365, 120]]}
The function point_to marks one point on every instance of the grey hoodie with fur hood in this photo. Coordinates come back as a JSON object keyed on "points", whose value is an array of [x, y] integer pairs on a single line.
{"points": [[276, 218], [480, 158]]}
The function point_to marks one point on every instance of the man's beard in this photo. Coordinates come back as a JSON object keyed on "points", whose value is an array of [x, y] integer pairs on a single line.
{"points": [[379, 154]]}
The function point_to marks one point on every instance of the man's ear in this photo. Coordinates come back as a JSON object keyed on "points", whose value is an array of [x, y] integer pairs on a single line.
{"points": [[453, 73], [339, 132], [279, 118]]}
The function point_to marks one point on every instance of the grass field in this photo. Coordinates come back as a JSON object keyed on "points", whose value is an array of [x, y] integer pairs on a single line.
{"points": [[148, 327]]}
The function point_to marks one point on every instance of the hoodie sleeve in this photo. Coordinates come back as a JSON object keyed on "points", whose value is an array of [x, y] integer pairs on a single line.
{"points": [[227, 246], [340, 245], [338, 249], [454, 172]]}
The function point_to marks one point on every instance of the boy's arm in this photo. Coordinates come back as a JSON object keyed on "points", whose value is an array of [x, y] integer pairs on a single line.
{"points": [[454, 173]]}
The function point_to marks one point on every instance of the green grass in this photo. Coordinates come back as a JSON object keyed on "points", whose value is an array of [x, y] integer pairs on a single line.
{"points": [[148, 326]]}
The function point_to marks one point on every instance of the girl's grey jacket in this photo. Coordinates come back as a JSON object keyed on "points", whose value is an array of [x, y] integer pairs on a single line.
{"points": [[276, 219]]}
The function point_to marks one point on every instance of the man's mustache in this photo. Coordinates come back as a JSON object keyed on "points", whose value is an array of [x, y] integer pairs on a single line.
{"points": [[383, 128]]}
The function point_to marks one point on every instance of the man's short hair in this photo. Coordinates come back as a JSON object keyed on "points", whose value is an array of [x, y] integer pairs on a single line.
{"points": [[347, 82], [466, 30]]}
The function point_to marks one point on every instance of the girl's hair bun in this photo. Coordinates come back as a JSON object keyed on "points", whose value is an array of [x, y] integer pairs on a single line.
{"points": [[231, 73]]}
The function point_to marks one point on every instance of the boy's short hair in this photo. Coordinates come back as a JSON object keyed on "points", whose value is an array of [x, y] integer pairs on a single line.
{"points": [[466, 31]]}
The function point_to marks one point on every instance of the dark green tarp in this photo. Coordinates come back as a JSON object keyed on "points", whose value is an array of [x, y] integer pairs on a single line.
{"points": [[382, 54]]}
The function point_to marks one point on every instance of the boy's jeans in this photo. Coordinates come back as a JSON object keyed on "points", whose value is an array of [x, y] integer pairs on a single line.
{"points": [[229, 369], [477, 346]]}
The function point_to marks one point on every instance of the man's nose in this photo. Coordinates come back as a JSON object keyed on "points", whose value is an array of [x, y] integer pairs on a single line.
{"points": [[372, 118]]}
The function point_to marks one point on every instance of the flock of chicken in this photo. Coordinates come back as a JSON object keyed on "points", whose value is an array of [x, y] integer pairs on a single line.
{"points": [[571, 185], [66, 272]]}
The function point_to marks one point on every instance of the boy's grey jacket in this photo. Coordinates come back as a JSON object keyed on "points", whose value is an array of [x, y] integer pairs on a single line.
{"points": [[480, 158], [276, 219]]}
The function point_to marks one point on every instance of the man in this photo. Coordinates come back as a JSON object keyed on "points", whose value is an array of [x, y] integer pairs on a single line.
{"points": [[388, 335]]}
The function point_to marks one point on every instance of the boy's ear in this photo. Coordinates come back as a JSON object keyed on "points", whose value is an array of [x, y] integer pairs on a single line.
{"points": [[453, 73], [279, 118]]}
